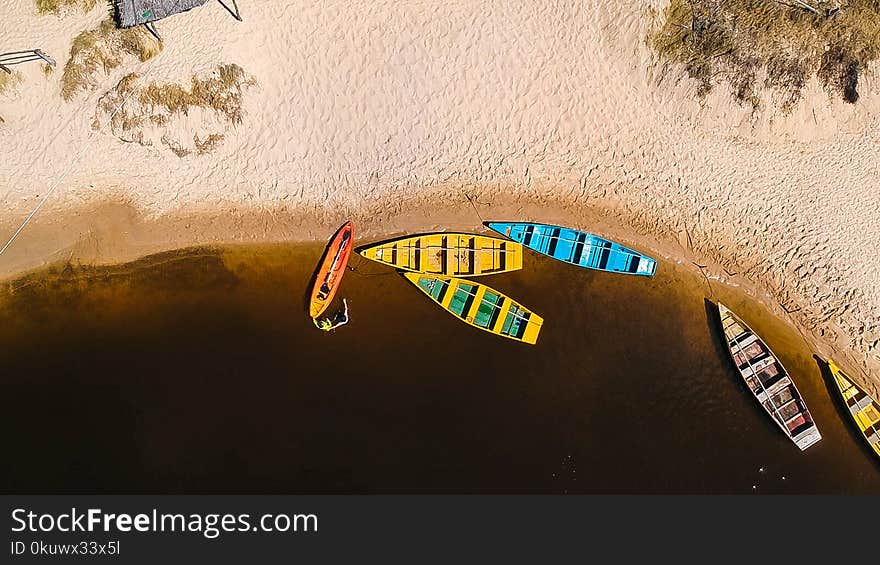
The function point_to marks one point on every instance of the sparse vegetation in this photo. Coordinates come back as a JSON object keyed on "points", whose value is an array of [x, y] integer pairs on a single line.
{"points": [[59, 6], [103, 48], [208, 145], [774, 44], [175, 147], [8, 81], [221, 92], [150, 109]]}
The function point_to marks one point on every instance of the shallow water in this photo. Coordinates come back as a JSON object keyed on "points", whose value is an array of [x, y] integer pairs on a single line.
{"points": [[200, 371]]}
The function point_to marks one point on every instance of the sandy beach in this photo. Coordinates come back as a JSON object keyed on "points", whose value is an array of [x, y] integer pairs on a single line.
{"points": [[394, 113]]}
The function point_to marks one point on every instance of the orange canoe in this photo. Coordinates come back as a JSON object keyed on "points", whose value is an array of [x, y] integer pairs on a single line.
{"points": [[331, 270]]}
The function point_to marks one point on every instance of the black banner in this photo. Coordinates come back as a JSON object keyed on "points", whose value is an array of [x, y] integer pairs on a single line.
{"points": [[322, 529]]}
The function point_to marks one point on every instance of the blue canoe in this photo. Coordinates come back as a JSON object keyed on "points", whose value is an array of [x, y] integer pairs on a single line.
{"points": [[577, 248]]}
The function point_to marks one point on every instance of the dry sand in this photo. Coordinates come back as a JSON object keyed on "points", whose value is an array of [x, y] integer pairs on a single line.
{"points": [[391, 112]]}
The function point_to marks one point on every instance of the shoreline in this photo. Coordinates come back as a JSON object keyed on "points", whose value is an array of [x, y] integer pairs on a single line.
{"points": [[390, 116], [189, 337], [115, 233]]}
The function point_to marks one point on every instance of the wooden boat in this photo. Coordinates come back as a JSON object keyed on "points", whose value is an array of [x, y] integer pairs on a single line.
{"points": [[448, 254], [329, 274], [768, 380], [577, 247], [864, 410], [480, 306]]}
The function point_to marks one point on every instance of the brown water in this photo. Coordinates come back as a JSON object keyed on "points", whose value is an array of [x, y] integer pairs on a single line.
{"points": [[199, 371]]}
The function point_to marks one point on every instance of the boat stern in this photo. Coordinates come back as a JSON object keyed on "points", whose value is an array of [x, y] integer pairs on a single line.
{"points": [[533, 328], [808, 438], [647, 266]]}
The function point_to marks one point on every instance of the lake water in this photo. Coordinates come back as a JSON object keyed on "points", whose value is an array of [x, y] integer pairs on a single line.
{"points": [[200, 371]]}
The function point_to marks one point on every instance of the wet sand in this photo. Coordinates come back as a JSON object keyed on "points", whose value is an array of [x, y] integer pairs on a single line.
{"points": [[383, 110], [199, 371]]}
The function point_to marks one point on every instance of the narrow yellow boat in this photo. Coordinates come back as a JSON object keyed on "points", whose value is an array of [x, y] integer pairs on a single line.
{"points": [[448, 254], [480, 306], [864, 409]]}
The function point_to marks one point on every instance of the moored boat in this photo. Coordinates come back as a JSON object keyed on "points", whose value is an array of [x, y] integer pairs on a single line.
{"points": [[480, 306], [865, 411], [329, 274], [448, 254], [768, 380], [577, 247]]}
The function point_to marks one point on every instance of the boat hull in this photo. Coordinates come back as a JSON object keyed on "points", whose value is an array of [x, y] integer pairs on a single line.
{"points": [[864, 409], [448, 254], [577, 248], [480, 306], [768, 380], [331, 269]]}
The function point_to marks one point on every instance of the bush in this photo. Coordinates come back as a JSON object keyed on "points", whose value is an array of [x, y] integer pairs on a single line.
{"points": [[103, 48], [736, 41], [58, 6]]}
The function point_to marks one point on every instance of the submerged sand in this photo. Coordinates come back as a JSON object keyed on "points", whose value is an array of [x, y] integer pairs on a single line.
{"points": [[392, 112]]}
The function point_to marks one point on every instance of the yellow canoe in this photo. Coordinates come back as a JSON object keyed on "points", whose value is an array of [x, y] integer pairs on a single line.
{"points": [[480, 306], [864, 409], [448, 254]]}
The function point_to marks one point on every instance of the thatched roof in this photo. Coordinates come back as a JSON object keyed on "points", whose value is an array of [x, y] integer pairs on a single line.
{"points": [[130, 13]]}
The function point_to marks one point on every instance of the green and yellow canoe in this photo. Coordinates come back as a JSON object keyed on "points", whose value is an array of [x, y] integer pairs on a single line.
{"points": [[480, 306], [864, 410], [448, 254]]}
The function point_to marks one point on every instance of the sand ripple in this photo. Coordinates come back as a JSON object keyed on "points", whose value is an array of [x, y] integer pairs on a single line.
{"points": [[362, 106]]}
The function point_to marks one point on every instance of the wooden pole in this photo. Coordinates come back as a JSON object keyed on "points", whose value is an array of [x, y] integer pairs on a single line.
{"points": [[16, 57], [49, 60], [235, 13], [152, 29]]}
